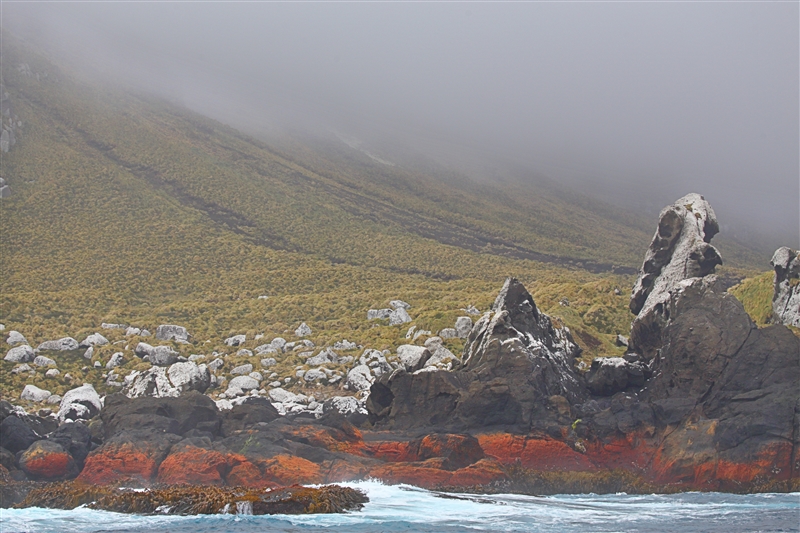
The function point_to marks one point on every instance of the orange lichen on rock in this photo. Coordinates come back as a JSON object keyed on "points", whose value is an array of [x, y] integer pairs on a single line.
{"points": [[122, 463], [628, 453], [340, 470], [392, 451], [193, 465], [483, 472], [332, 439], [427, 474], [290, 470], [45, 460], [536, 453]]}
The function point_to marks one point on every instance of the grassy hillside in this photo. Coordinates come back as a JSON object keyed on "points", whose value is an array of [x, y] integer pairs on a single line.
{"points": [[128, 209]]}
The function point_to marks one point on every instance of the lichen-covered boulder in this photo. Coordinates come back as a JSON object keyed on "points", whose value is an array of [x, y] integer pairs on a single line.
{"points": [[20, 354], [63, 344], [786, 298], [34, 394], [15, 337], [170, 332]]}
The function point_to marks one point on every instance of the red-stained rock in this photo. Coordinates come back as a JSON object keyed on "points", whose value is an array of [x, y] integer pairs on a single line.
{"points": [[392, 451], [427, 474], [243, 473], [126, 461], [48, 461], [340, 470], [329, 438], [458, 450], [289, 470], [483, 472], [536, 453], [192, 465]]}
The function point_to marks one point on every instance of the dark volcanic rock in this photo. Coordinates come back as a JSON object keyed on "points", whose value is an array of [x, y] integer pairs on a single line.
{"points": [[515, 361], [609, 375], [75, 438], [190, 411], [48, 461], [15, 435], [246, 415]]}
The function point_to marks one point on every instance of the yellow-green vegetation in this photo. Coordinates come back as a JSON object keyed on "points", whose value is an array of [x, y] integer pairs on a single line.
{"points": [[128, 209], [756, 293]]}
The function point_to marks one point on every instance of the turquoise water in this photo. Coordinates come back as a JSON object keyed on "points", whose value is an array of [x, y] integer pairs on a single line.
{"points": [[404, 508]]}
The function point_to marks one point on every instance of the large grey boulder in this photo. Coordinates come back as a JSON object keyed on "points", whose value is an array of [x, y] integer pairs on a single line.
{"points": [[34, 394], [786, 298], [81, 403], [20, 354], [359, 378], [399, 316], [171, 332], [41, 360], [378, 314], [143, 349], [463, 327], [152, 382], [114, 361], [242, 370], [244, 383], [413, 357], [95, 339], [189, 376], [15, 337], [680, 250], [160, 382], [324, 357], [61, 345], [440, 357], [163, 356]]}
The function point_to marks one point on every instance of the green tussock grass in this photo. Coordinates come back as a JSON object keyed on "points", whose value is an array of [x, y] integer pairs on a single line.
{"points": [[128, 209], [756, 293]]}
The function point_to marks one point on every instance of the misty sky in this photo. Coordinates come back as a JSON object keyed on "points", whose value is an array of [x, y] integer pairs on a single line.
{"points": [[622, 99]]}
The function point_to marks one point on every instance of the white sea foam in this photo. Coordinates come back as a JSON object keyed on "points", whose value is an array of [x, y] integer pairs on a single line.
{"points": [[406, 508]]}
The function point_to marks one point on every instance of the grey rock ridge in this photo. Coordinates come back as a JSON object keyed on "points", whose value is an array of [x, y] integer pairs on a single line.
{"points": [[680, 250], [786, 299]]}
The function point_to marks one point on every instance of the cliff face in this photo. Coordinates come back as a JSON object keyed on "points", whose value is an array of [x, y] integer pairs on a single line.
{"points": [[703, 400]]}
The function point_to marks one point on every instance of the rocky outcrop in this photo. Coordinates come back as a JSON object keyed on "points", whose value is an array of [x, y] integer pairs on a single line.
{"points": [[680, 250], [163, 382], [786, 299], [516, 364]]}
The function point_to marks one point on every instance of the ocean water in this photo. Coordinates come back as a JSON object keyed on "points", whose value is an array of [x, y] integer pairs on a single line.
{"points": [[404, 508]]}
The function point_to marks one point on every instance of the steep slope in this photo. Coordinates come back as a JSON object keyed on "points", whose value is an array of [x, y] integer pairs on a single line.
{"points": [[126, 208]]}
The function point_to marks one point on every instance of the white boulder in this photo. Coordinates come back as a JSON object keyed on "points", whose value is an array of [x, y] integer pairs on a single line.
{"points": [[33, 393], [20, 354]]}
